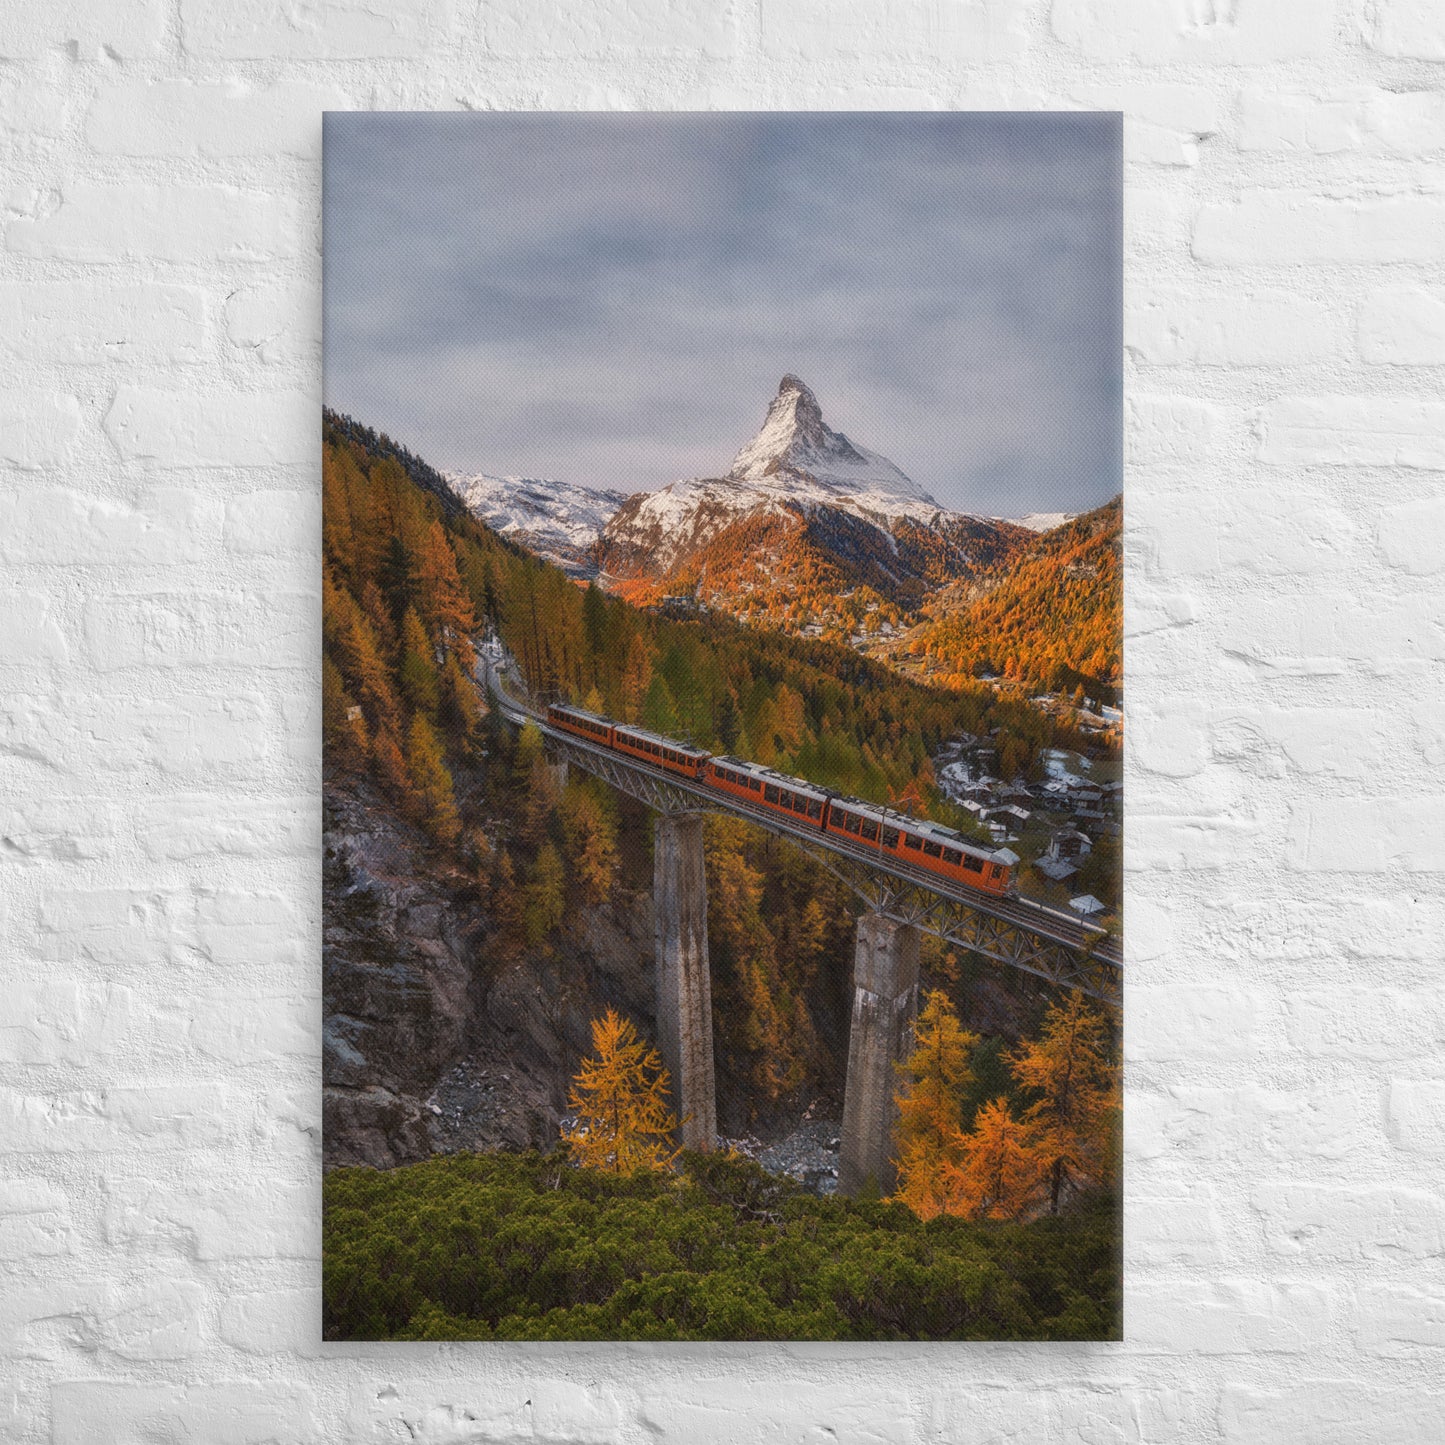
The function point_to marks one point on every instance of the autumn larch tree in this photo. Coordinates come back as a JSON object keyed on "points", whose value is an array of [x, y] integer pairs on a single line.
{"points": [[930, 1122], [620, 1098], [1070, 1072], [1000, 1173]]}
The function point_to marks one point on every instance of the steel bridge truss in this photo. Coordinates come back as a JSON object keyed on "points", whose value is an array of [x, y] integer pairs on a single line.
{"points": [[1003, 940]]}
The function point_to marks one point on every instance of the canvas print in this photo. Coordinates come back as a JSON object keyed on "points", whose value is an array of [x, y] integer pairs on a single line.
{"points": [[722, 693]]}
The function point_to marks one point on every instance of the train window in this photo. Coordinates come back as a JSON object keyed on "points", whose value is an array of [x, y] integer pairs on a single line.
{"points": [[815, 808], [972, 864], [850, 822], [933, 849], [870, 830], [890, 837], [909, 841], [770, 794], [952, 855]]}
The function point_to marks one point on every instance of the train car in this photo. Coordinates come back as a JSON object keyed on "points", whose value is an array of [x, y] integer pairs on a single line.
{"points": [[661, 752], [581, 722], [765, 788], [923, 844]]}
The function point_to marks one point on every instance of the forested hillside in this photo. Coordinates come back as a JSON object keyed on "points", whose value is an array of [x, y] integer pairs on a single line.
{"points": [[1052, 620]]}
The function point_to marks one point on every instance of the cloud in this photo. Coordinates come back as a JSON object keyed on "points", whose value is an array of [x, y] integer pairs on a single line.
{"points": [[612, 298]]}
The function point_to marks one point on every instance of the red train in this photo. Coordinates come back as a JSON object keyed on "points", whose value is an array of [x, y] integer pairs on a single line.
{"points": [[916, 841]]}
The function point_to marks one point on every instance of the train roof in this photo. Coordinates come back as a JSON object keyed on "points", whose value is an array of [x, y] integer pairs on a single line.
{"points": [[783, 780], [922, 826], [665, 741], [568, 707]]}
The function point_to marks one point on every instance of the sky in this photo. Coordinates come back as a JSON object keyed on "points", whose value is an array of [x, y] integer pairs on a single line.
{"points": [[612, 299]]}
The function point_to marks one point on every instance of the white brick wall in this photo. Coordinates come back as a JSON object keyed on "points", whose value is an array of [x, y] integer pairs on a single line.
{"points": [[1285, 340]]}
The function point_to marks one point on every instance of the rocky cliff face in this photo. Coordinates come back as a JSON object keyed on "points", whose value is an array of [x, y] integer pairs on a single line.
{"points": [[434, 1041]]}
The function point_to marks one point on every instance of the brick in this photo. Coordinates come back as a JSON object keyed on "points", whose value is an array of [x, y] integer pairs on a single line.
{"points": [[212, 429], [1172, 843], [83, 324], [112, 926], [1380, 1024], [1330, 632], [128, 29], [1394, 1319], [28, 633], [1252, 328], [1296, 930], [1368, 834], [56, 525], [181, 118], [56, 829], [1412, 29], [106, 224], [64, 1020], [976, 30], [1161, 429], [1314, 1222], [1172, 1230], [1275, 118], [1417, 1115], [541, 1410], [236, 926], [1228, 1317], [1186, 1123], [1316, 741], [1403, 326], [201, 826], [715, 1413], [1183, 1022], [31, 109], [1295, 228], [176, 1116], [1246, 32], [256, 1028], [35, 1219], [1103, 1413], [159, 1319], [202, 629], [576, 29], [103, 1412], [1331, 1412], [200, 735], [273, 1322], [1267, 532], [276, 321], [210, 1219], [1341, 121], [1388, 431], [273, 523], [1169, 736], [328, 30], [37, 428]]}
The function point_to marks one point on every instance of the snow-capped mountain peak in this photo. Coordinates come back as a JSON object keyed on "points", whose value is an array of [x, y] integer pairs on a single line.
{"points": [[797, 453]]}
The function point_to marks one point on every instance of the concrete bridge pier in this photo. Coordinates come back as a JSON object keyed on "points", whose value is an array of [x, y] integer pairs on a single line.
{"points": [[684, 983], [885, 1005]]}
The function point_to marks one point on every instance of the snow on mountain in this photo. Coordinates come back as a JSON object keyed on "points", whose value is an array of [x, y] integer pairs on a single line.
{"points": [[1044, 521], [796, 463], [802, 510], [556, 519], [798, 456]]}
